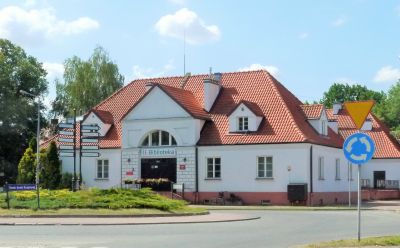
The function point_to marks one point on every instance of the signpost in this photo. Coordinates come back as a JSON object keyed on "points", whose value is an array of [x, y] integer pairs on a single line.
{"points": [[359, 147], [17, 187]]}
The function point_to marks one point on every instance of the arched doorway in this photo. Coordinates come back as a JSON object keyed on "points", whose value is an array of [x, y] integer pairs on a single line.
{"points": [[158, 156]]}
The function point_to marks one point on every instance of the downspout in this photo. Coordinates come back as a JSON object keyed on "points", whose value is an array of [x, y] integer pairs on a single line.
{"points": [[311, 174], [197, 173]]}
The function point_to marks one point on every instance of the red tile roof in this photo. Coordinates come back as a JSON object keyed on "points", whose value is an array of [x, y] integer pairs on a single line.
{"points": [[105, 116], [386, 145], [312, 111], [285, 116]]}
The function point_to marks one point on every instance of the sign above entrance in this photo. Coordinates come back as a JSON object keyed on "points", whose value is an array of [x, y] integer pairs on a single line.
{"points": [[359, 111], [158, 152]]}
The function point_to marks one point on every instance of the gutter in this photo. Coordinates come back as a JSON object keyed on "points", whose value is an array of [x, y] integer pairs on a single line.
{"points": [[197, 172]]}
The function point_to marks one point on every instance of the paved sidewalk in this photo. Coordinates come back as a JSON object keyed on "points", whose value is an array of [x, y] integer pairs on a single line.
{"points": [[208, 218], [392, 205]]}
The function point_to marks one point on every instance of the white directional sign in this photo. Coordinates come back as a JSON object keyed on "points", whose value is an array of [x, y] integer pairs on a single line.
{"points": [[90, 127], [90, 140], [90, 154], [66, 154], [68, 133], [68, 140], [65, 125], [65, 147]]}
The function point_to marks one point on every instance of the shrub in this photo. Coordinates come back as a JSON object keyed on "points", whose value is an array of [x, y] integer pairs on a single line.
{"points": [[66, 181]]}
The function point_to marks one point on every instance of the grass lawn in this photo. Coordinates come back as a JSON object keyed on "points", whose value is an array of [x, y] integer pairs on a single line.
{"points": [[374, 241], [93, 202]]}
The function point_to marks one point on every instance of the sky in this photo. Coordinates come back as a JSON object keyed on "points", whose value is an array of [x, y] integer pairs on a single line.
{"points": [[307, 45]]}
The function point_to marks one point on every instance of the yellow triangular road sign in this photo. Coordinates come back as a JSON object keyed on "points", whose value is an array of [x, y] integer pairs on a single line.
{"points": [[359, 111]]}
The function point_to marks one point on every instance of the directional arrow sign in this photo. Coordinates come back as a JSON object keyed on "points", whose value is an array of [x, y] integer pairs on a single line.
{"points": [[65, 125], [65, 147], [358, 148], [359, 111], [68, 133], [90, 154], [90, 127], [90, 147], [84, 135], [90, 140], [66, 151], [68, 140], [66, 154]]}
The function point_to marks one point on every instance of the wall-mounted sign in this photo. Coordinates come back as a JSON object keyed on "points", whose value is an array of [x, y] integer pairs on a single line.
{"points": [[182, 167], [158, 152]]}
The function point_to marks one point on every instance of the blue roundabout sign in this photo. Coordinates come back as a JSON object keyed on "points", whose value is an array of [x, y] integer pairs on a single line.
{"points": [[359, 148]]}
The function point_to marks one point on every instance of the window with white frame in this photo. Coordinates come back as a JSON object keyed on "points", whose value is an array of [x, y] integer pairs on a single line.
{"points": [[214, 168], [324, 128], [321, 168], [159, 138], [243, 123], [337, 169], [264, 167], [349, 171], [102, 169]]}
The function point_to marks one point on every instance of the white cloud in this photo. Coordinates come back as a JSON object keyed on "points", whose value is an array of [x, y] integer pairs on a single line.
{"points": [[37, 25], [303, 36], [273, 70], [54, 70], [339, 22], [188, 22], [149, 72], [387, 74]]}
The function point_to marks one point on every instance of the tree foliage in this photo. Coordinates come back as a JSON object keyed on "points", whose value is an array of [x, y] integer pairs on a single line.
{"points": [[86, 83], [343, 92], [18, 113], [27, 167], [51, 174]]}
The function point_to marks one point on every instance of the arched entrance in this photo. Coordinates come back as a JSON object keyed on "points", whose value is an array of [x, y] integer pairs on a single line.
{"points": [[158, 156]]}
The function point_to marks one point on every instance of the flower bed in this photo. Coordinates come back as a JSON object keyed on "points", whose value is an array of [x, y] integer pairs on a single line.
{"points": [[156, 184]]}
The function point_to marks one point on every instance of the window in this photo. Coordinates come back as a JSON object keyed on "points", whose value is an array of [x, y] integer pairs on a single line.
{"points": [[321, 168], [243, 124], [214, 168], [264, 167], [323, 128], [102, 169], [350, 172], [159, 138], [337, 171]]}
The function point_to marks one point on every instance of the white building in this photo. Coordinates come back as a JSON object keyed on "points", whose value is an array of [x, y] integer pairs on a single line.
{"points": [[241, 133]]}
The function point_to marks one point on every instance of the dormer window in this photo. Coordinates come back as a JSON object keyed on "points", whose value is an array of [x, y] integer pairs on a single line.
{"points": [[243, 124], [159, 138], [324, 128]]}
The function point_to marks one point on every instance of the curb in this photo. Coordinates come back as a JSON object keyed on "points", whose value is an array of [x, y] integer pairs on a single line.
{"points": [[126, 224], [104, 216]]}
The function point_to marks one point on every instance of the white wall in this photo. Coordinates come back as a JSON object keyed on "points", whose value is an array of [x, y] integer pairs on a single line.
{"points": [[211, 91], [317, 123], [330, 184], [89, 168], [391, 166], [239, 167]]}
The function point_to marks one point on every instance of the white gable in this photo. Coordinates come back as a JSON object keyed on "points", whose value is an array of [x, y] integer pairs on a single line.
{"points": [[320, 125], [156, 105], [243, 111], [92, 118]]}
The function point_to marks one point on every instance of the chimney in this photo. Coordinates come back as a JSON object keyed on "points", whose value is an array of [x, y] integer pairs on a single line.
{"points": [[212, 87], [185, 79], [149, 85], [337, 106]]}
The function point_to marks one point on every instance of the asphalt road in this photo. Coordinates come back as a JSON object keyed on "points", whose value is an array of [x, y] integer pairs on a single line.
{"points": [[274, 229]]}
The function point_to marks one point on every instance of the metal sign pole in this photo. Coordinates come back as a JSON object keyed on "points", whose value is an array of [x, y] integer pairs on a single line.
{"points": [[349, 177], [359, 203]]}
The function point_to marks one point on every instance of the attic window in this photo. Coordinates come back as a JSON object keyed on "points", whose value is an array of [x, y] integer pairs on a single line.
{"points": [[243, 123]]}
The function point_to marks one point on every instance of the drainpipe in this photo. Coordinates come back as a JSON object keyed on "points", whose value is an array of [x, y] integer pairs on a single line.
{"points": [[311, 173], [197, 172]]}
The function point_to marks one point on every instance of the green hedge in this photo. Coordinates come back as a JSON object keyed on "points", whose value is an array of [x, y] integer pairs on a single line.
{"points": [[93, 198]]}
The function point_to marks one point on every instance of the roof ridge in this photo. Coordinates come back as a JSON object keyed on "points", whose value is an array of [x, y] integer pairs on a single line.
{"points": [[286, 107]]}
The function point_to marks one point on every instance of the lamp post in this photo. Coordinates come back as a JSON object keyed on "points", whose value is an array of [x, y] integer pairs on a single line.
{"points": [[37, 144]]}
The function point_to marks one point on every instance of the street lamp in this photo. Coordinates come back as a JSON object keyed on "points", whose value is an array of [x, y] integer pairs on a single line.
{"points": [[37, 143]]}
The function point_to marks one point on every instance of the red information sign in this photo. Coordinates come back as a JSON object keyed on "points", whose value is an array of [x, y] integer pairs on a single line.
{"points": [[182, 167]]}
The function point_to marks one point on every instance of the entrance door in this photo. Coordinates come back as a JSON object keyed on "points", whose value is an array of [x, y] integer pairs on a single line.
{"points": [[379, 175], [159, 168]]}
